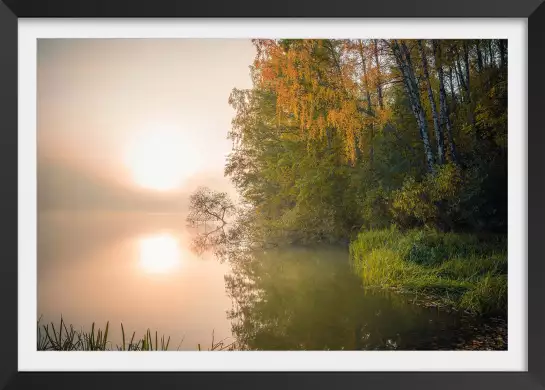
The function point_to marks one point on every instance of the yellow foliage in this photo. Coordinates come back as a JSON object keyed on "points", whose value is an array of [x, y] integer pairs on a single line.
{"points": [[312, 77]]}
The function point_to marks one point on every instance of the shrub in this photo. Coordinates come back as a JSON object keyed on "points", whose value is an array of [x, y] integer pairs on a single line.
{"points": [[429, 202]]}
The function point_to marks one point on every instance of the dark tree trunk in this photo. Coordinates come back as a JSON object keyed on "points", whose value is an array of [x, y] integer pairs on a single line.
{"points": [[460, 74], [502, 44], [466, 65], [479, 56], [451, 85], [491, 53], [379, 85], [466, 83], [459, 80], [444, 112], [369, 104]]}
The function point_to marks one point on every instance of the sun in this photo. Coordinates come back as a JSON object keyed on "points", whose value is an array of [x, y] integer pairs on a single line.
{"points": [[159, 158], [159, 253]]}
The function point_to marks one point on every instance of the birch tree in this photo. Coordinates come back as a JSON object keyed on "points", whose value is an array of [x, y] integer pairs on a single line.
{"points": [[444, 111], [436, 126], [403, 58]]}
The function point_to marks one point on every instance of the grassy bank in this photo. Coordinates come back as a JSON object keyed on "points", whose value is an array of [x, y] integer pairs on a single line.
{"points": [[464, 271], [63, 337]]}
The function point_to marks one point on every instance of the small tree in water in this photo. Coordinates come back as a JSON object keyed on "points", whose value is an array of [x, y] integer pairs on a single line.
{"points": [[209, 214], [210, 211], [208, 206]]}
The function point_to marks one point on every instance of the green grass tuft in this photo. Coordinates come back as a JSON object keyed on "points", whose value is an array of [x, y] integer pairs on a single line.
{"points": [[463, 270]]}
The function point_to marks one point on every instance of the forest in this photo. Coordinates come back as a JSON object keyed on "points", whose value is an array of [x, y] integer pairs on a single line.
{"points": [[396, 149], [336, 136]]}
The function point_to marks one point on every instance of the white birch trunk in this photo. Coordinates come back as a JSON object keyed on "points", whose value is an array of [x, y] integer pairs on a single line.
{"points": [[403, 59], [437, 129]]}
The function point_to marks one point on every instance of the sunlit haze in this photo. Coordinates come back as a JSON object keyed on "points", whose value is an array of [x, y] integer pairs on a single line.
{"points": [[135, 124], [160, 159], [127, 129]]}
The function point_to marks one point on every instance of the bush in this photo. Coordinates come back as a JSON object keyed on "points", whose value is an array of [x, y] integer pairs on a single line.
{"points": [[430, 202]]}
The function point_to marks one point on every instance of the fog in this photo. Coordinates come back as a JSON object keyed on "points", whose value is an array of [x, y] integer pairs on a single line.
{"points": [[112, 241], [94, 95]]}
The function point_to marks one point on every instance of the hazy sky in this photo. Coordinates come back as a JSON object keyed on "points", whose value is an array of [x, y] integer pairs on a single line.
{"points": [[100, 99]]}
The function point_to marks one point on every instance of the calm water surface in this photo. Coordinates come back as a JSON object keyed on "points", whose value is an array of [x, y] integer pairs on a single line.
{"points": [[131, 268], [138, 269]]}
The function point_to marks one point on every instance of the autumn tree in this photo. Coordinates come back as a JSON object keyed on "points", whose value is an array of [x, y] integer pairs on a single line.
{"points": [[336, 135]]}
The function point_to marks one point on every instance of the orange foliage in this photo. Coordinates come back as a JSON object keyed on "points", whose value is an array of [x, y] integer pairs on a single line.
{"points": [[322, 85]]}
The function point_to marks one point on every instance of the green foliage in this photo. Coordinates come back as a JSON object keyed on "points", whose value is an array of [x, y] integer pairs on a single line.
{"points": [[431, 201], [464, 270], [489, 295], [374, 206], [318, 154], [331, 140]]}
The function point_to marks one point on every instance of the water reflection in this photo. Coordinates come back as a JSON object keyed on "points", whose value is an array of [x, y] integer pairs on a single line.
{"points": [[159, 253], [126, 268], [309, 299], [122, 268]]}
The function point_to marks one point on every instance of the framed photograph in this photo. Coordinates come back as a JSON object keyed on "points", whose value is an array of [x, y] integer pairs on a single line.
{"points": [[298, 194]]}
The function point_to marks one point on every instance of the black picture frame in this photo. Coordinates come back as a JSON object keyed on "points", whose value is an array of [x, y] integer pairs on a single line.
{"points": [[11, 10]]}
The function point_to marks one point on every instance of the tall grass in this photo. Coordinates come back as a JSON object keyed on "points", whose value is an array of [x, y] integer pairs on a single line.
{"points": [[462, 270], [65, 338]]}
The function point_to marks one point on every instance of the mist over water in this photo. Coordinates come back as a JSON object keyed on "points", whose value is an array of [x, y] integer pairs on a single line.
{"points": [[110, 248], [102, 266]]}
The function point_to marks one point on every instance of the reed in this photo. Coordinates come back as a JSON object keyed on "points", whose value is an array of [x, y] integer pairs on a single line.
{"points": [[65, 337]]}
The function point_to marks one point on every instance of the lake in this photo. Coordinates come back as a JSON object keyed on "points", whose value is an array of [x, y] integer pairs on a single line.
{"points": [[101, 267], [138, 269]]}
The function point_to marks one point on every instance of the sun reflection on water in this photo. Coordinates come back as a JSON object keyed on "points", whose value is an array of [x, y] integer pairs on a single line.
{"points": [[159, 253]]}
